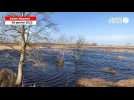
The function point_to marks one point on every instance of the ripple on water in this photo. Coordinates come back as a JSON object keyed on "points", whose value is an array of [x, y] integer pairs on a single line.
{"points": [[89, 67]]}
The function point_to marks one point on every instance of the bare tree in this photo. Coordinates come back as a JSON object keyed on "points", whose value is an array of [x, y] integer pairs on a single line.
{"points": [[27, 35], [62, 40], [77, 53]]}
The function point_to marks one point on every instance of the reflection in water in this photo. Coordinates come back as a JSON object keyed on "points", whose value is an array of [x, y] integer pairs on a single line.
{"points": [[48, 74]]}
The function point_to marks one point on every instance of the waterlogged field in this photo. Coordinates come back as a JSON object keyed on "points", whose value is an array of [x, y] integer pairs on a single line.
{"points": [[93, 64]]}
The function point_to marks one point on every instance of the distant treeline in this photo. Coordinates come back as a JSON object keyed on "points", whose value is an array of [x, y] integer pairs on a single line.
{"points": [[71, 45], [50, 45], [44, 44]]}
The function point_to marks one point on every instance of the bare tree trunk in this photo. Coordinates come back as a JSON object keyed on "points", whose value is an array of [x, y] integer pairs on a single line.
{"points": [[21, 64], [19, 79]]}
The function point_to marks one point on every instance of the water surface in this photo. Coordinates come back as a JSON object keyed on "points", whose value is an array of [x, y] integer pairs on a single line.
{"points": [[90, 65]]}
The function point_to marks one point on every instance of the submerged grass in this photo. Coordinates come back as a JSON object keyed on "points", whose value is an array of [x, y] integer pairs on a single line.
{"points": [[119, 57], [7, 59], [109, 70]]}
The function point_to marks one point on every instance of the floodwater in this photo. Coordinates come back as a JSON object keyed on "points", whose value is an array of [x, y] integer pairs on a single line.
{"points": [[48, 74]]}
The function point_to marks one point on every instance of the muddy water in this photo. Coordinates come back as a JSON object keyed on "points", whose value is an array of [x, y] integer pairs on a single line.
{"points": [[90, 65]]}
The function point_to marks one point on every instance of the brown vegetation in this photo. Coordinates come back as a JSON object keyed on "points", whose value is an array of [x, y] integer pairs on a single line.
{"points": [[7, 78], [60, 62], [125, 83], [95, 82], [67, 46], [109, 70]]}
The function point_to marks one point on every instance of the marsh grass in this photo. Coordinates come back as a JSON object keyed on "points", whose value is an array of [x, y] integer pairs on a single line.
{"points": [[94, 82], [109, 70], [119, 57], [125, 83], [10, 58]]}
